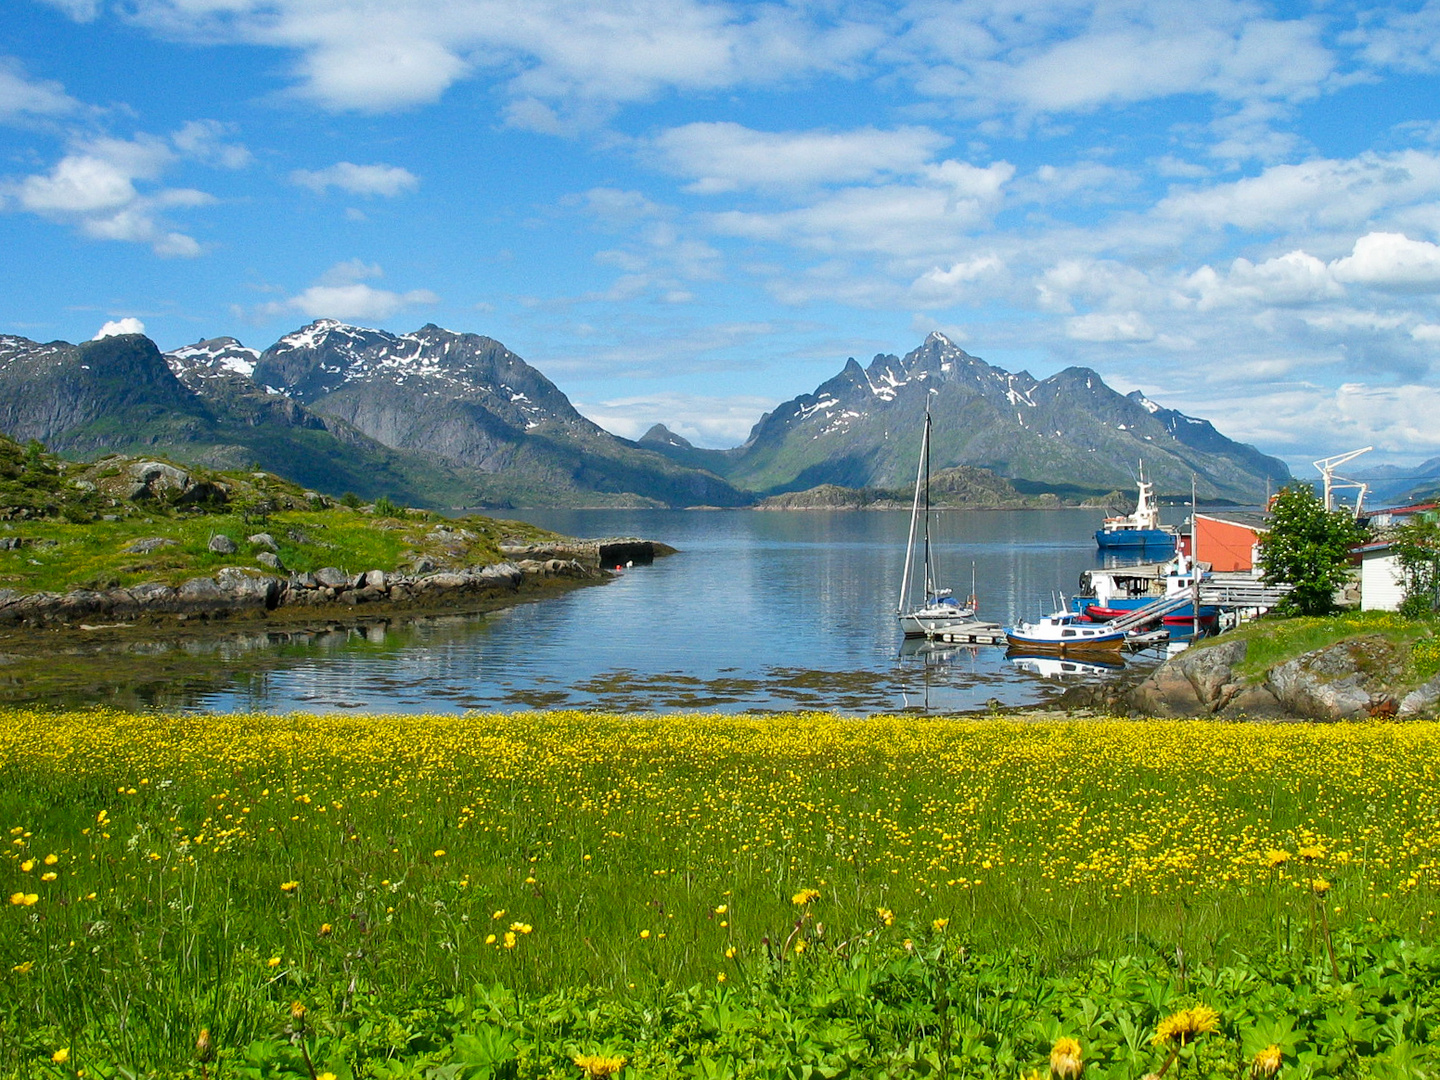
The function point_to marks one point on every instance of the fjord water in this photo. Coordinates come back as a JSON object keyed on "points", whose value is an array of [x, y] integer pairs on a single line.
{"points": [[760, 611]]}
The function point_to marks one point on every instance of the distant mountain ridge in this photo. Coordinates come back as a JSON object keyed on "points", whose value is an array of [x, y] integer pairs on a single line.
{"points": [[439, 418], [1070, 433]]}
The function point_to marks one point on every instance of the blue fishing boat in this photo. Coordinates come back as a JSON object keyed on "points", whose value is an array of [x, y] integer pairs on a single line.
{"points": [[1139, 530]]}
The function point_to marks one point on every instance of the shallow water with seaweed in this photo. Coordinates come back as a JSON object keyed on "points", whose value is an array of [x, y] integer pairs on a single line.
{"points": [[759, 611]]}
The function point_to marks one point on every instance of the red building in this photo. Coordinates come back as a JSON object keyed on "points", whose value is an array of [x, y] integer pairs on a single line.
{"points": [[1227, 541]]}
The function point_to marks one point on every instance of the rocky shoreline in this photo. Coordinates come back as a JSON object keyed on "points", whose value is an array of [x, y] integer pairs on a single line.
{"points": [[1362, 678], [242, 591]]}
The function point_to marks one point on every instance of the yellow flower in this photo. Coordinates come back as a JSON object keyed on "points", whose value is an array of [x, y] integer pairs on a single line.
{"points": [[644, 933], [326, 1076], [1311, 853], [289, 886], [440, 853], [1266, 1062], [805, 896], [48, 876], [27, 899], [51, 859], [510, 939], [939, 924], [489, 939], [1183, 1026], [274, 961], [597, 1065], [59, 1057], [499, 914], [1319, 886], [325, 929], [722, 909], [521, 927], [204, 1046], [24, 969], [885, 915], [730, 953], [1065, 1060], [1274, 859], [799, 947], [28, 865]]}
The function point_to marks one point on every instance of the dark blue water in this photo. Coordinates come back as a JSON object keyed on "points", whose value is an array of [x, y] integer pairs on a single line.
{"points": [[760, 611]]}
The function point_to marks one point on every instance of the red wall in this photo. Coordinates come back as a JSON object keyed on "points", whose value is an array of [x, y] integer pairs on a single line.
{"points": [[1223, 545]]}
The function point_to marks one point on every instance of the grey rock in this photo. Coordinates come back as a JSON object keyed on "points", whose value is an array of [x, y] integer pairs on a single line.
{"points": [[424, 566], [332, 578], [1345, 681], [264, 540], [149, 544], [305, 580], [1422, 699], [221, 544], [374, 579], [270, 561]]}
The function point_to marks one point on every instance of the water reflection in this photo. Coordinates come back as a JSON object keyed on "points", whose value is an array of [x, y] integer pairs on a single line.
{"points": [[759, 612]]}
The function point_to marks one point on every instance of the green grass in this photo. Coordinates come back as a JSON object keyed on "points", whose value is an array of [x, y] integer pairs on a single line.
{"points": [[1275, 640], [711, 896]]}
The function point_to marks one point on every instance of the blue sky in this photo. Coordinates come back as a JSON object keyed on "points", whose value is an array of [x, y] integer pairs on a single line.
{"points": [[687, 212]]}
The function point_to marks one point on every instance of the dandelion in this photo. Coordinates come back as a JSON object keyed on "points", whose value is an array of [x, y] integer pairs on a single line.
{"points": [[1319, 886], [597, 1065], [1266, 1062], [59, 1057], [289, 886], [805, 896], [204, 1046], [939, 924], [325, 929], [297, 1012], [1276, 859], [1065, 1060], [1181, 1027]]}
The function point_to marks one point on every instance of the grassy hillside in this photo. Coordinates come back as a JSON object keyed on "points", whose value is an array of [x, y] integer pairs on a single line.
{"points": [[66, 525]]}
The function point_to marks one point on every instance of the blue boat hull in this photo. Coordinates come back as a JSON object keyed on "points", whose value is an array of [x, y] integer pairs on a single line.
{"points": [[1133, 539]]}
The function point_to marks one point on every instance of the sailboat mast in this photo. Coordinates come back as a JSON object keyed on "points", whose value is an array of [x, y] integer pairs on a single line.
{"points": [[921, 476], [929, 578]]}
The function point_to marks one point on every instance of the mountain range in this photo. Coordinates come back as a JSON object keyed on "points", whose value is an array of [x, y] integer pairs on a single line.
{"points": [[439, 418]]}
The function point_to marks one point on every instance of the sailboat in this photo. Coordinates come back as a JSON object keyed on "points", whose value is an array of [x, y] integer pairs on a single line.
{"points": [[937, 610]]}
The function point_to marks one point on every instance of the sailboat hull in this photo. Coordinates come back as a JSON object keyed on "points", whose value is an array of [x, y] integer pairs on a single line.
{"points": [[935, 619]]}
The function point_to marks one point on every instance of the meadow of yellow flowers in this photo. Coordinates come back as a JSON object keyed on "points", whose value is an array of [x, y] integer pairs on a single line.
{"points": [[188, 871]]}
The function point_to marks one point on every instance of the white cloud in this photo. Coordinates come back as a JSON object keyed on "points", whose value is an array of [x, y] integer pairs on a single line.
{"points": [[1291, 279], [1070, 57], [1426, 332], [949, 286], [1109, 326], [341, 294], [22, 96], [922, 219], [556, 53], [127, 325], [1386, 260], [1396, 419], [701, 419], [384, 180], [724, 157], [79, 10], [1321, 193], [108, 187]]}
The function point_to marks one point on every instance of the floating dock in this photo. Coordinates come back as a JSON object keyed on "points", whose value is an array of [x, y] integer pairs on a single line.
{"points": [[978, 633]]}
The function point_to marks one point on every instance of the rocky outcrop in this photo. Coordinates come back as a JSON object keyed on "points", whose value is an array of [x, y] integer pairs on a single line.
{"points": [[243, 591], [1357, 679]]}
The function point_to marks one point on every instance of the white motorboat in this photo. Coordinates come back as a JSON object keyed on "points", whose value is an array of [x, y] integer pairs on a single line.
{"points": [[1063, 632], [937, 609]]}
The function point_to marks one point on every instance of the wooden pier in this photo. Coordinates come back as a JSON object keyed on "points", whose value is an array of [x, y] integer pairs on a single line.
{"points": [[979, 633]]}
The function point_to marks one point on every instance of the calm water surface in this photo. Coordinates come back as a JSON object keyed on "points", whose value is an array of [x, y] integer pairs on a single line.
{"points": [[759, 611]]}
